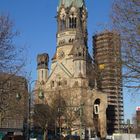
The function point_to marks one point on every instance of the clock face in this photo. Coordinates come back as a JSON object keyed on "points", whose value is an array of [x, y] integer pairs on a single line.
{"points": [[61, 54]]}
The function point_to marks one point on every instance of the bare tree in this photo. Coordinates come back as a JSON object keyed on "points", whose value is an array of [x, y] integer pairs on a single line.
{"points": [[11, 56], [72, 113], [12, 63], [49, 117], [126, 20], [58, 106], [61, 115], [42, 117]]}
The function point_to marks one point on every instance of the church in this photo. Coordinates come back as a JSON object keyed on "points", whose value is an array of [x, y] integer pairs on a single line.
{"points": [[71, 77]]}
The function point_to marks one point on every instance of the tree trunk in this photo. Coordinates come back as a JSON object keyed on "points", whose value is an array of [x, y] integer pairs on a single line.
{"points": [[45, 134]]}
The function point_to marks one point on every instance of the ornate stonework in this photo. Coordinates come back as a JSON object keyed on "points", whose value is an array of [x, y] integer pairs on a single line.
{"points": [[72, 72]]}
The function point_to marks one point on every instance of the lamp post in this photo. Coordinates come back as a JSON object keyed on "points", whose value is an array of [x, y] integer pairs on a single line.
{"points": [[128, 123], [30, 93]]}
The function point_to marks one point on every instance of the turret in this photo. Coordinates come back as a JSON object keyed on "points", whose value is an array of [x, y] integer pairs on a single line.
{"points": [[42, 67], [80, 56]]}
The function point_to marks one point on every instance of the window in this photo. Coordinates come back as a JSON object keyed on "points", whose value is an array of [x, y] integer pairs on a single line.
{"points": [[59, 83], [79, 54], [96, 109], [71, 40], [65, 82], [72, 22], [76, 83], [52, 84], [63, 24], [83, 52]]}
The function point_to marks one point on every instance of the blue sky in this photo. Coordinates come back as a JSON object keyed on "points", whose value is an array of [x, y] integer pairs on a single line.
{"points": [[36, 22]]}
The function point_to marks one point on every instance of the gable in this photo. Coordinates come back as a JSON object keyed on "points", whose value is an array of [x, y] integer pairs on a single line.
{"points": [[59, 71]]}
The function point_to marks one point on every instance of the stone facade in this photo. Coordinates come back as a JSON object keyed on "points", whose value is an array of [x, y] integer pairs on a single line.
{"points": [[72, 71]]}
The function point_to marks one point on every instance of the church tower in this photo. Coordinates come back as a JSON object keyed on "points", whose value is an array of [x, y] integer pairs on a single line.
{"points": [[42, 67], [72, 36], [72, 21], [71, 77]]}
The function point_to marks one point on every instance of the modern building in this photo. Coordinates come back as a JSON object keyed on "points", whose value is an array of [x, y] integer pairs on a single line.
{"points": [[107, 55], [72, 77], [13, 103]]}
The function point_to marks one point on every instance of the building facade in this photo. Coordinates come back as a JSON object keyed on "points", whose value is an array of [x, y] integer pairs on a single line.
{"points": [[107, 55], [72, 74], [138, 120], [13, 103]]}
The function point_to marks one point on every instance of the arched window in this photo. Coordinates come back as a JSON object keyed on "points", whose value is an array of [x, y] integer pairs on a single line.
{"points": [[96, 106], [96, 109], [59, 83], [79, 54], [72, 22], [83, 52], [70, 40], [63, 24], [52, 84]]}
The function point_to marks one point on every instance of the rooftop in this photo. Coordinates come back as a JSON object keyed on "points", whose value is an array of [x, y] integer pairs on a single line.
{"points": [[67, 3]]}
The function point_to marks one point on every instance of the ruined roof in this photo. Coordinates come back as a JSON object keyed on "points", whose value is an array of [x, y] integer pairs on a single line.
{"points": [[67, 3]]}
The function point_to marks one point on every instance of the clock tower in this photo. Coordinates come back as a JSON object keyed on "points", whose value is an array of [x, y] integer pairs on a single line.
{"points": [[71, 50]]}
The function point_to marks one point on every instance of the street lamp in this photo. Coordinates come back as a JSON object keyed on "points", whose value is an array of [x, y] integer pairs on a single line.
{"points": [[128, 123], [18, 96], [40, 95]]}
